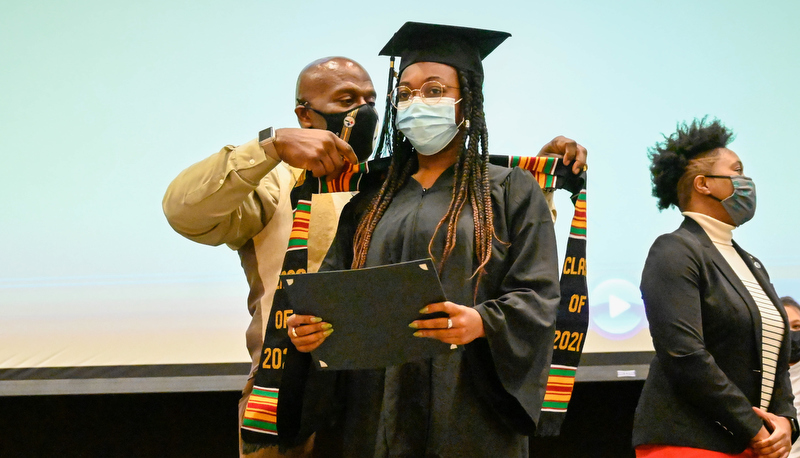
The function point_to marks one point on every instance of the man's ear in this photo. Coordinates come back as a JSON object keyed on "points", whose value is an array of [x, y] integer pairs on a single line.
{"points": [[303, 116]]}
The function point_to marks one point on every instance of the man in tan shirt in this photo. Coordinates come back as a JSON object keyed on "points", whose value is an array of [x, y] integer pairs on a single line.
{"points": [[239, 196]]}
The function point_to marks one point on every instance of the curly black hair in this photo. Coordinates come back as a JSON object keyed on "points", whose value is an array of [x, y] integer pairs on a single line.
{"points": [[671, 159]]}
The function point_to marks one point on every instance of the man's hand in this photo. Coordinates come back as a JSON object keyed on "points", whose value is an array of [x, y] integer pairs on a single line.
{"points": [[568, 149], [319, 151]]}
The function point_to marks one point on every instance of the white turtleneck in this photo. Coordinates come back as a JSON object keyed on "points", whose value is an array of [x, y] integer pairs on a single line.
{"points": [[721, 234]]}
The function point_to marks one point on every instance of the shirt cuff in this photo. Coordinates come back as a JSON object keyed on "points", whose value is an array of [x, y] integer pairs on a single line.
{"points": [[548, 197], [251, 162]]}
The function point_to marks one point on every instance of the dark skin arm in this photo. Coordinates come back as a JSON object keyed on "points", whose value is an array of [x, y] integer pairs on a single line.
{"points": [[319, 151]]}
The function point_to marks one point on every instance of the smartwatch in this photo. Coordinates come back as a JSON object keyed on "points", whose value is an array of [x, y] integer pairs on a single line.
{"points": [[266, 134], [266, 138], [795, 428]]}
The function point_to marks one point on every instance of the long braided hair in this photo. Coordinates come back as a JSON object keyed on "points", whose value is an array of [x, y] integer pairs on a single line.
{"points": [[470, 182]]}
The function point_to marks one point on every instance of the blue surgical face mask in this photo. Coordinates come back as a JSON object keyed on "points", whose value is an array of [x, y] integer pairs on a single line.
{"points": [[429, 128], [741, 205]]}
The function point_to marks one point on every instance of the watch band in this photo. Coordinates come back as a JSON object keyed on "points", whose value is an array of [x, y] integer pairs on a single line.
{"points": [[795, 428]]}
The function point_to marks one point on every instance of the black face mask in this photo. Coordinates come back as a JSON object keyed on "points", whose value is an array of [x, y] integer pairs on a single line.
{"points": [[794, 354], [356, 127]]}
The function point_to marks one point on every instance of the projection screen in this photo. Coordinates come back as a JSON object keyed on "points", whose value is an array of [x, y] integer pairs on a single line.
{"points": [[104, 103]]}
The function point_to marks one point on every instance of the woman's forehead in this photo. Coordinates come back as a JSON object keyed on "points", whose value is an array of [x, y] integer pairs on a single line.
{"points": [[429, 71], [793, 313], [728, 157]]}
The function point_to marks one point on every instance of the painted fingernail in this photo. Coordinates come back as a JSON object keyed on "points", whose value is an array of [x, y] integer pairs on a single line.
{"points": [[327, 326], [413, 325], [418, 334], [424, 309], [316, 319], [328, 332]]}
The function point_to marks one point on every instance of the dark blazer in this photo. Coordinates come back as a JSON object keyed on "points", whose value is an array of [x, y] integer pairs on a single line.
{"points": [[706, 330]]}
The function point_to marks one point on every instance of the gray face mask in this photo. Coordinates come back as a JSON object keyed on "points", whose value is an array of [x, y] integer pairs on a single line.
{"points": [[741, 205]]}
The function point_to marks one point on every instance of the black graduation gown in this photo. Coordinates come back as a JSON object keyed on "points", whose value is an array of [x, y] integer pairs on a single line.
{"points": [[485, 398]]}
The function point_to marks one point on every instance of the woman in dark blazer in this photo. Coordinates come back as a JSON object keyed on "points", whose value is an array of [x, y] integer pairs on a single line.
{"points": [[718, 385]]}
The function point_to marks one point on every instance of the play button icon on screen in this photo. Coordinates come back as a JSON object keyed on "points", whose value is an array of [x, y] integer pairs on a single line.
{"points": [[616, 309]]}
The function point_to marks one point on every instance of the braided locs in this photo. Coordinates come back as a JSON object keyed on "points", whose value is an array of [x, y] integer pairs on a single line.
{"points": [[470, 181]]}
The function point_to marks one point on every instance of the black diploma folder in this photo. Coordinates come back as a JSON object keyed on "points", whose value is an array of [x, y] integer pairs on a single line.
{"points": [[370, 310]]}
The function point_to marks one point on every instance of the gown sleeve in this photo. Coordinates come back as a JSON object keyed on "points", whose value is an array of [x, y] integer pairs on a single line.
{"points": [[512, 363]]}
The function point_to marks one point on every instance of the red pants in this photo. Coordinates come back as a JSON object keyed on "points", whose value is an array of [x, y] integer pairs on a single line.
{"points": [[672, 451]]}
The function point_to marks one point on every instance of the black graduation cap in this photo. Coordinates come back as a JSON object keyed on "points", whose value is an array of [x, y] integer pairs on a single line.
{"points": [[460, 47]]}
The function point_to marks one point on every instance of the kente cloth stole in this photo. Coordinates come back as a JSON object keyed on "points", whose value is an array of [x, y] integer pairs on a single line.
{"points": [[573, 312], [259, 425]]}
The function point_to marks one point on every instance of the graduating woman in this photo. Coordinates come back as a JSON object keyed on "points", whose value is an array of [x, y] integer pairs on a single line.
{"points": [[718, 385], [490, 232]]}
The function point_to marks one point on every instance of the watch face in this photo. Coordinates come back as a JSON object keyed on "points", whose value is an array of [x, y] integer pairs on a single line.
{"points": [[265, 134]]}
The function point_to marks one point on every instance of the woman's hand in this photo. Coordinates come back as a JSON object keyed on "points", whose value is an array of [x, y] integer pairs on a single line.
{"points": [[779, 442], [462, 327], [307, 332]]}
